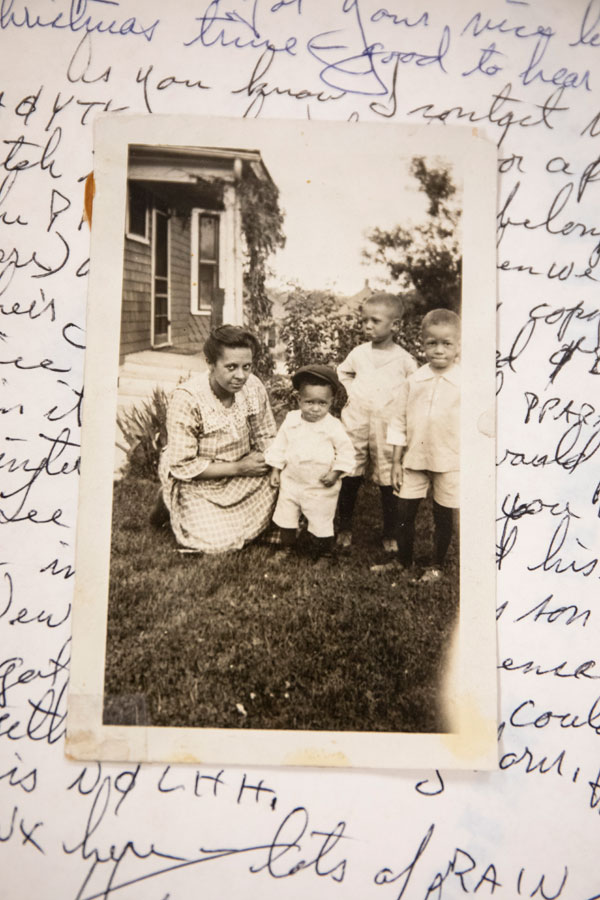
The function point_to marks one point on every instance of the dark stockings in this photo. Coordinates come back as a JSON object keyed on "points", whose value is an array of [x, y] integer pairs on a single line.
{"points": [[442, 517], [443, 522], [347, 502], [389, 506], [407, 513]]}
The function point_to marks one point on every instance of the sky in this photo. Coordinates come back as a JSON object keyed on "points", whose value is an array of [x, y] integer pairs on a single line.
{"points": [[331, 200]]}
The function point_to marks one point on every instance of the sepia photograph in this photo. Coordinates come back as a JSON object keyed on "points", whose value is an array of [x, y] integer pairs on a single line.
{"points": [[288, 453]]}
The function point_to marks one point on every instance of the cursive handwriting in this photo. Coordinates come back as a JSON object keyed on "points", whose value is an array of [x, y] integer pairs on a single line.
{"points": [[282, 856], [14, 14], [524, 76], [229, 27]]}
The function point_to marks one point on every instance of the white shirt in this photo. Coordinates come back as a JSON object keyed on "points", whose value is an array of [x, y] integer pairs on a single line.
{"points": [[426, 420], [307, 450], [372, 377]]}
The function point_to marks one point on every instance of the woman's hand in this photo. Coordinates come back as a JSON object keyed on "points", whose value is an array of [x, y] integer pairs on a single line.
{"points": [[252, 464], [275, 478]]}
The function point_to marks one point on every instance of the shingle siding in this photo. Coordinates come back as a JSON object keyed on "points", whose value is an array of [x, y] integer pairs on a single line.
{"points": [[188, 332], [137, 297]]}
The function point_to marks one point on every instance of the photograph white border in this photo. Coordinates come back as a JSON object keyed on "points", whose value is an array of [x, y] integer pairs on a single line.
{"points": [[474, 694]]}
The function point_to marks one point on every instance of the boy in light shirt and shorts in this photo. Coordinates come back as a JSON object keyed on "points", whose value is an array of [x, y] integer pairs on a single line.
{"points": [[372, 374], [425, 435]]}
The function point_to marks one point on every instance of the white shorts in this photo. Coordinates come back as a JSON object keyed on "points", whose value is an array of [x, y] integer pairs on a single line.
{"points": [[446, 486], [317, 502], [368, 432]]}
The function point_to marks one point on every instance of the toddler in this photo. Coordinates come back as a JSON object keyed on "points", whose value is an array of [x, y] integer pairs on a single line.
{"points": [[425, 434], [372, 374], [309, 456]]}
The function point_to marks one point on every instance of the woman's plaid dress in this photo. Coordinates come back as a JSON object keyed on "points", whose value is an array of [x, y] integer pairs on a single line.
{"points": [[216, 514]]}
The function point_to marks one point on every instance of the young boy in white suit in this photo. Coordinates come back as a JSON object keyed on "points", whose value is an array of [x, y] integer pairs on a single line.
{"points": [[309, 456], [372, 374]]}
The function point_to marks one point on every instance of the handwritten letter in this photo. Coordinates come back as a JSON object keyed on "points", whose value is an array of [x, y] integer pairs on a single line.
{"points": [[525, 75]]}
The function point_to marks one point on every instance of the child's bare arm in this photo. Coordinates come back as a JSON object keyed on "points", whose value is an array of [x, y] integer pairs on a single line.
{"points": [[397, 456], [275, 456], [330, 478], [346, 371], [397, 436]]}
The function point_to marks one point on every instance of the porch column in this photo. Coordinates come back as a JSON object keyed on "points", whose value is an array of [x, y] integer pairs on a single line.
{"points": [[231, 258], [239, 257]]}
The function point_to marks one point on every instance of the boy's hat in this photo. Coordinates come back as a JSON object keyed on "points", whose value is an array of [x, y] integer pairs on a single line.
{"points": [[317, 370]]}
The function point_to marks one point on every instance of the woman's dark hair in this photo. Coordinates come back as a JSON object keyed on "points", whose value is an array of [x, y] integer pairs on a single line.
{"points": [[228, 336]]}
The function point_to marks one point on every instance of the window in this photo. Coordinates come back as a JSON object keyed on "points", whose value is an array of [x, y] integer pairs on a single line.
{"points": [[137, 212], [160, 296], [205, 278]]}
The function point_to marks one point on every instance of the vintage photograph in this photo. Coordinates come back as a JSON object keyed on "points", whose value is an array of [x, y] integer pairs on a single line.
{"points": [[292, 372]]}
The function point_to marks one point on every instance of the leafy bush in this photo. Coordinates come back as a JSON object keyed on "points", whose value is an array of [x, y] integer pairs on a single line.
{"points": [[144, 429], [310, 329], [409, 337], [315, 329], [281, 396], [263, 359]]}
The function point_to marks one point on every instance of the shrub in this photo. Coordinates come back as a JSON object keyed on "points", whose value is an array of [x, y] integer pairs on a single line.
{"points": [[144, 429], [263, 359], [281, 396], [315, 330], [409, 337], [309, 329]]}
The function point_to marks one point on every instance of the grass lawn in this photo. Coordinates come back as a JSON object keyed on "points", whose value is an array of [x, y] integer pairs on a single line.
{"points": [[251, 640]]}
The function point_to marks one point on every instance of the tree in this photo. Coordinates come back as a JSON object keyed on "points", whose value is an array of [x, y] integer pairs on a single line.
{"points": [[427, 256]]}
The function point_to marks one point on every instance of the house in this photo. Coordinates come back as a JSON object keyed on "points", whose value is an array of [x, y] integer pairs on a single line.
{"points": [[353, 303], [184, 244]]}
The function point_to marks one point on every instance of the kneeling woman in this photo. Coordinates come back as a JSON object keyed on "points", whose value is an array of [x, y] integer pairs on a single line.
{"points": [[214, 478]]}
